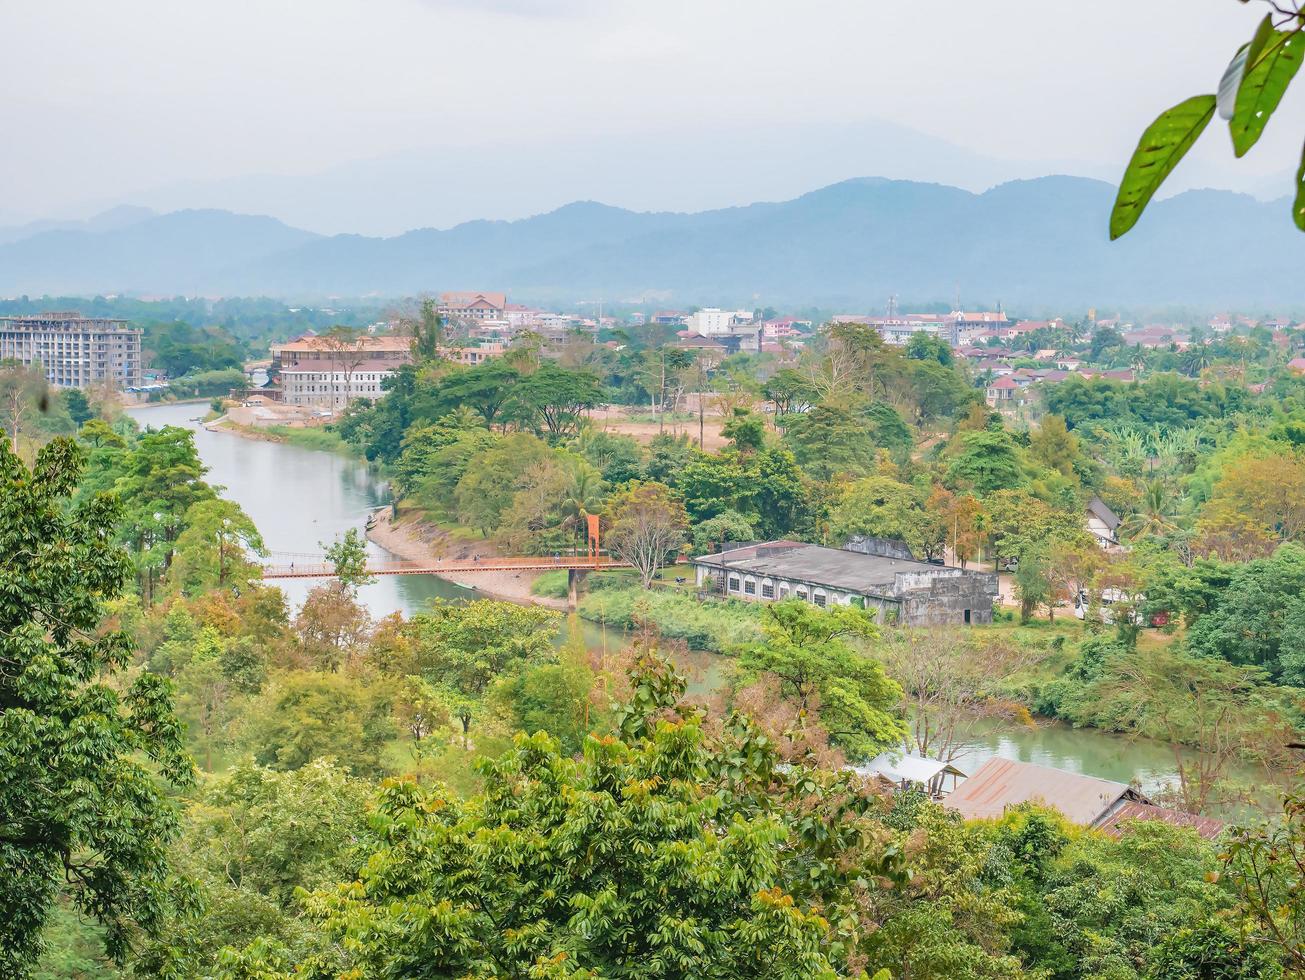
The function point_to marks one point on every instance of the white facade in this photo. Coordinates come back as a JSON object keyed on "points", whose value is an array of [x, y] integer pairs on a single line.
{"points": [[74, 351], [331, 389], [711, 322]]}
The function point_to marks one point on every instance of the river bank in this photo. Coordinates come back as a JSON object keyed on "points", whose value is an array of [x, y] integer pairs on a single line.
{"points": [[420, 541]]}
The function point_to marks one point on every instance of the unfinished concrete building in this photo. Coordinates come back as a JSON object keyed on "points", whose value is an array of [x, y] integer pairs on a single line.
{"points": [[74, 351]]}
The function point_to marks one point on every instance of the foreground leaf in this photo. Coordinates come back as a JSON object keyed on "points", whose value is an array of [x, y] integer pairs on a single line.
{"points": [[1272, 62], [1158, 151]]}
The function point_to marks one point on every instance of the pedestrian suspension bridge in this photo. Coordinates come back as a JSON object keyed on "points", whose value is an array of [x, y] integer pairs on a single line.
{"points": [[288, 564]]}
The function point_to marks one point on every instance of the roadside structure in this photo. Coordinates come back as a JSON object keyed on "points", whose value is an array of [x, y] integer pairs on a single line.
{"points": [[74, 351], [901, 590]]}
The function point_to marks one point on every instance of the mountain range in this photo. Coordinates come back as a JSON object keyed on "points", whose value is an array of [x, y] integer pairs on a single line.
{"points": [[1038, 243]]}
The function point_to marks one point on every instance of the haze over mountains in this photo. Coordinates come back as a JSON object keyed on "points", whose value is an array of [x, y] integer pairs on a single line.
{"points": [[1033, 243]]}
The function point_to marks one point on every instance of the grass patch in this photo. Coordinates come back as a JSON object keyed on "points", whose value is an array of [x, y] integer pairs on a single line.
{"points": [[714, 626], [320, 438]]}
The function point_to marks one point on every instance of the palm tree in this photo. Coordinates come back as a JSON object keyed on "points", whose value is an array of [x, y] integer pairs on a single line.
{"points": [[1154, 515], [584, 495], [1196, 359]]}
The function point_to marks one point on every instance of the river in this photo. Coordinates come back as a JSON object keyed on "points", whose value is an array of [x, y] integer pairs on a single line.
{"points": [[299, 497]]}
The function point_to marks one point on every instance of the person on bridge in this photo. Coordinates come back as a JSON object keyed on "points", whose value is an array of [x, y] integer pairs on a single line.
{"points": [[556, 558]]}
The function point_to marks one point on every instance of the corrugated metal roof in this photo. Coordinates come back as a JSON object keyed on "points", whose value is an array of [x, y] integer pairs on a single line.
{"points": [[1000, 783], [1117, 823], [908, 768]]}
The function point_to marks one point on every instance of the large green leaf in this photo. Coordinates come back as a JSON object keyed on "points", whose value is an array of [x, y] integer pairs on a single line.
{"points": [[1272, 62], [1298, 206], [1158, 151]]}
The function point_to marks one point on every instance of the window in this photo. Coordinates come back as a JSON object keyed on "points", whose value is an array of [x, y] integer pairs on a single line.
{"points": [[750, 586], [734, 583], [801, 594], [767, 590], [967, 617], [818, 598]]}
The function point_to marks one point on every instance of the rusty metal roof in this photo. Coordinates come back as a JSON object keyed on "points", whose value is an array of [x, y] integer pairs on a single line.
{"points": [[1117, 823], [1000, 783]]}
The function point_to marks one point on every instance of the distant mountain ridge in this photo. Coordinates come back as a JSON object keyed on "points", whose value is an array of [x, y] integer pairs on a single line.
{"points": [[852, 244]]}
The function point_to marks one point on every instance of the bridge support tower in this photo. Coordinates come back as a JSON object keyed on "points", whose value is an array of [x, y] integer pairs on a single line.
{"points": [[574, 576]]}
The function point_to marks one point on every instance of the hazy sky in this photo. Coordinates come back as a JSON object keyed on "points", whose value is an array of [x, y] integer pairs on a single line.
{"points": [[156, 101]]}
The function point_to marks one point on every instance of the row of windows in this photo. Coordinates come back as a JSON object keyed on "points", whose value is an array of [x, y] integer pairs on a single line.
{"points": [[749, 587]]}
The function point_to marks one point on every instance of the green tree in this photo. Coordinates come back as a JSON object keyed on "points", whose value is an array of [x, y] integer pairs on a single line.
{"points": [[984, 462], [84, 812], [305, 715], [1246, 626], [79, 407], [806, 648], [729, 525], [829, 440], [206, 694], [881, 507], [347, 556], [214, 550], [1054, 446], [465, 649], [427, 332], [251, 838], [653, 855], [554, 697], [553, 399], [486, 387]]}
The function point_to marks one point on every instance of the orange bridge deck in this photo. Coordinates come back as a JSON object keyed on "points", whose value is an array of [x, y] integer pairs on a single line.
{"points": [[448, 566]]}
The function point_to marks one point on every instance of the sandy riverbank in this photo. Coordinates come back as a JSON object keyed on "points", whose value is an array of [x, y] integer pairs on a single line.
{"points": [[419, 541]]}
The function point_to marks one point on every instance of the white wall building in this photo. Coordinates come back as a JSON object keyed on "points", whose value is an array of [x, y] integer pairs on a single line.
{"points": [[326, 373], [711, 322]]}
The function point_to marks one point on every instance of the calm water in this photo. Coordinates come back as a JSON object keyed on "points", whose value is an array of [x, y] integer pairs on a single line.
{"points": [[299, 497]]}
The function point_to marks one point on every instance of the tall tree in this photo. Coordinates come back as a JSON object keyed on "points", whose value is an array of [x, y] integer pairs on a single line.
{"points": [[23, 390], [647, 524], [465, 649], [347, 556], [84, 812], [848, 692]]}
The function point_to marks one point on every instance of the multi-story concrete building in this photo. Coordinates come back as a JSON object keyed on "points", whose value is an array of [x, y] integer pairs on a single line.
{"points": [[330, 373], [473, 306], [74, 351]]}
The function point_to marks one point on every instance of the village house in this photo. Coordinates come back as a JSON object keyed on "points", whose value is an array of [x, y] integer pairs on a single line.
{"points": [[1103, 523], [898, 589], [1001, 392]]}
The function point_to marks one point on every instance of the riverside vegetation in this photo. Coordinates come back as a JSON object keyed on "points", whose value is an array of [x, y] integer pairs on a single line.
{"points": [[238, 790]]}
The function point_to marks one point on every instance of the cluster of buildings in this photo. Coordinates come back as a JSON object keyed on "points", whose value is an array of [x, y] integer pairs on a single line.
{"points": [[74, 351]]}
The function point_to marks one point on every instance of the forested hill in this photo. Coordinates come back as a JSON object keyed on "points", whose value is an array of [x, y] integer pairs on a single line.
{"points": [[848, 245]]}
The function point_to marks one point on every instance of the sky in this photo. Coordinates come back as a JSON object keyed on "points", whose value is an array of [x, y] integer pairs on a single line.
{"points": [[380, 115]]}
